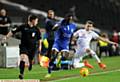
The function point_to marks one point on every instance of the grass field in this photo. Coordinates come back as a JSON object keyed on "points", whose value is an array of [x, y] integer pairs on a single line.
{"points": [[110, 74]]}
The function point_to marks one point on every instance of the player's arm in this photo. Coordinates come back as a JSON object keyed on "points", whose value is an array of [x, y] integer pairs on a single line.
{"points": [[74, 38], [10, 33], [107, 40], [39, 38], [75, 35], [40, 45], [49, 24], [55, 27]]}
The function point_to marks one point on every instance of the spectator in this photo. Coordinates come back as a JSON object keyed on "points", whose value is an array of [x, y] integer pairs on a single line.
{"points": [[115, 38], [4, 22], [103, 46]]}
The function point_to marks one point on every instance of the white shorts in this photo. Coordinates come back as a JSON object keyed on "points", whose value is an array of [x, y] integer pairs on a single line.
{"points": [[81, 52]]}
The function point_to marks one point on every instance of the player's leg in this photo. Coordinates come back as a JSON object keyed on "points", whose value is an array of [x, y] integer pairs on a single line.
{"points": [[31, 55], [64, 52], [76, 61], [61, 55], [78, 58], [51, 63], [54, 53], [30, 63], [94, 55], [48, 54], [23, 60]]}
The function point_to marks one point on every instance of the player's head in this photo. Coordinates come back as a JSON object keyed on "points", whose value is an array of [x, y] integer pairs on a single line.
{"points": [[89, 25], [69, 17], [51, 14], [3, 12], [33, 20], [104, 35]]}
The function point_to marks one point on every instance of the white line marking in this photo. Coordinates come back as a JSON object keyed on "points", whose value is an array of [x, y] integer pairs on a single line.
{"points": [[99, 73]]}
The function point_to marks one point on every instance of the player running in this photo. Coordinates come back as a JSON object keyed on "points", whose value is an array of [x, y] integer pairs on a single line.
{"points": [[83, 45], [65, 29]]}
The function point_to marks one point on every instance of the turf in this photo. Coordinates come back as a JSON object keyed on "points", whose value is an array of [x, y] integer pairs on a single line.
{"points": [[113, 63], [109, 77]]}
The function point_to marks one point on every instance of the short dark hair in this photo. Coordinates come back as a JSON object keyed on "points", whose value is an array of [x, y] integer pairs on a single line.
{"points": [[32, 17], [50, 10], [68, 15], [90, 22]]}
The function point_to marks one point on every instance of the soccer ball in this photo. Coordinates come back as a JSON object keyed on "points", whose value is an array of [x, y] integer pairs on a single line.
{"points": [[44, 61], [84, 72]]}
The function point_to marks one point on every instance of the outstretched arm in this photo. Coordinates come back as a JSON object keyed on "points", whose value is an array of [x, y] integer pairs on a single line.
{"points": [[7, 36], [107, 40]]}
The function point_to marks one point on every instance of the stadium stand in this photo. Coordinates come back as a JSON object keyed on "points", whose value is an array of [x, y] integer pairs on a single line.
{"points": [[105, 13]]}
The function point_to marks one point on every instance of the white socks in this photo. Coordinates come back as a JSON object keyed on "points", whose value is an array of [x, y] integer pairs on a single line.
{"points": [[96, 57]]}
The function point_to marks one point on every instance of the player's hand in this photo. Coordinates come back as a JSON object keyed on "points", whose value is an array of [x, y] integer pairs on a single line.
{"points": [[4, 39], [116, 44]]}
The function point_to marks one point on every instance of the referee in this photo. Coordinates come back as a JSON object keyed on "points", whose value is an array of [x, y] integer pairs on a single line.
{"points": [[30, 42]]}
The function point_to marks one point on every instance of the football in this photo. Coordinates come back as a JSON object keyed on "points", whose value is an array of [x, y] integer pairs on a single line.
{"points": [[44, 61], [84, 72]]}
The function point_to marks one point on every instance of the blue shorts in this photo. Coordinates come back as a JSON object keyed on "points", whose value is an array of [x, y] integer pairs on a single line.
{"points": [[61, 46]]}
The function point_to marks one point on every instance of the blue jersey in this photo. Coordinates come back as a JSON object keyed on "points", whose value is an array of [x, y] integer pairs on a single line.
{"points": [[63, 36], [65, 31]]}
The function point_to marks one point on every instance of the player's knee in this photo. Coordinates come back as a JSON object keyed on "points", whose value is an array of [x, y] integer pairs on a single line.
{"points": [[92, 52], [54, 52], [88, 50], [22, 57], [65, 54]]}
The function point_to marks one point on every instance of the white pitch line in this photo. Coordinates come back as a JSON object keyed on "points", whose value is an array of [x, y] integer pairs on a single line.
{"points": [[99, 73], [1, 74]]}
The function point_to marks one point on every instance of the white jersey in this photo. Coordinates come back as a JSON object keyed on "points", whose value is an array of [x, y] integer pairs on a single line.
{"points": [[84, 37], [83, 43]]}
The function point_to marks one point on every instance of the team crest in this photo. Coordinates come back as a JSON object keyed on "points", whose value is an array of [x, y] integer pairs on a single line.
{"points": [[33, 34]]}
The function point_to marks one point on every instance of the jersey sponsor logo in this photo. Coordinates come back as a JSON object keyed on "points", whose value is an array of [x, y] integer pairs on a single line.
{"points": [[33, 34]]}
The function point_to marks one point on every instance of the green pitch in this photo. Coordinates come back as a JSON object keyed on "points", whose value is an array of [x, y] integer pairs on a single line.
{"points": [[110, 74]]}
